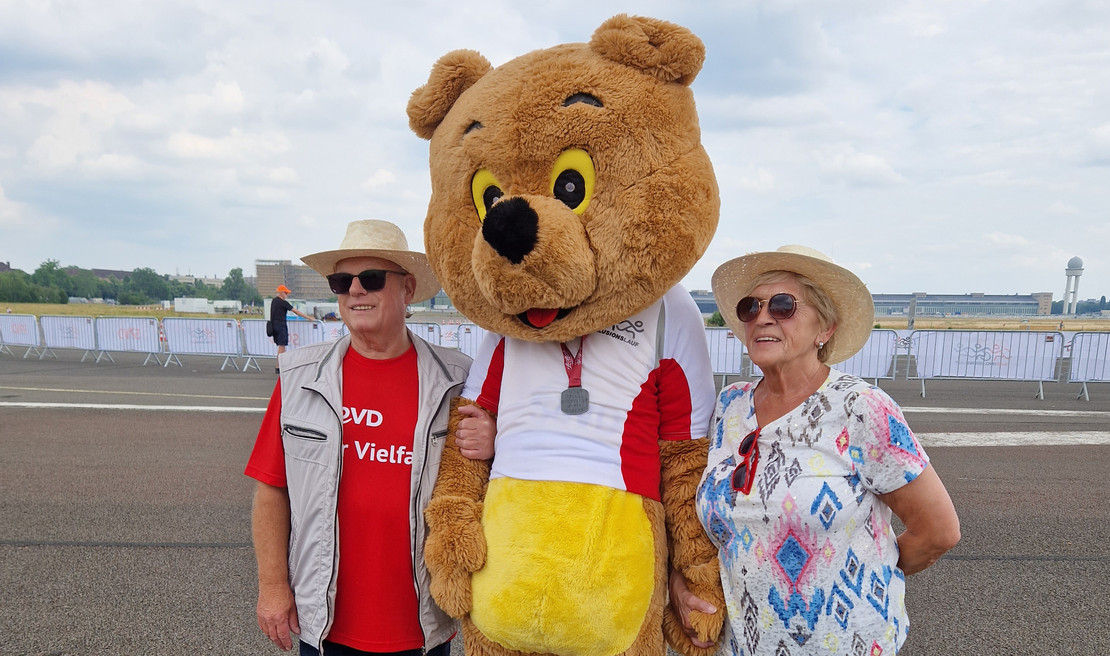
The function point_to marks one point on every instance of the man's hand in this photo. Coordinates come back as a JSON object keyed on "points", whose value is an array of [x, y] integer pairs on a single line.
{"points": [[476, 432], [277, 614]]}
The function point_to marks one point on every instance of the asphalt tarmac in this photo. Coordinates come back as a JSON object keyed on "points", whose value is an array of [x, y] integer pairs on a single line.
{"points": [[126, 516]]}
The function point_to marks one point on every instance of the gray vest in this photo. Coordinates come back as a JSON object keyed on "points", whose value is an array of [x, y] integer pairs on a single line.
{"points": [[312, 436]]}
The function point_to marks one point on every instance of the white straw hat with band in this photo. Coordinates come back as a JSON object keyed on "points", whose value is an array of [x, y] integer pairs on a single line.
{"points": [[381, 239], [854, 305]]}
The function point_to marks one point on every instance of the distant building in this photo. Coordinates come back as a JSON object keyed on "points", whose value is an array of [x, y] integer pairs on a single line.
{"points": [[194, 280], [705, 301], [978, 305], [5, 266], [303, 282], [924, 304]]}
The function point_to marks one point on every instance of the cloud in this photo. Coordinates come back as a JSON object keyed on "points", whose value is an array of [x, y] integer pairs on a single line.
{"points": [[225, 98], [235, 147], [11, 212], [378, 180], [1059, 207], [845, 164]]}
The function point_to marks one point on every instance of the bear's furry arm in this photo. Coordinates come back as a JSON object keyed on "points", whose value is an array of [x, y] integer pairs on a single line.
{"points": [[692, 553], [456, 546]]}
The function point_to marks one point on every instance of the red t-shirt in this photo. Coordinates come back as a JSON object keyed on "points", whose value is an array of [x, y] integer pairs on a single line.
{"points": [[375, 607]]}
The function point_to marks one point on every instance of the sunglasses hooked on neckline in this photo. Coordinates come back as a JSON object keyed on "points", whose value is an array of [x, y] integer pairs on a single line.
{"points": [[780, 306], [371, 280], [744, 474]]}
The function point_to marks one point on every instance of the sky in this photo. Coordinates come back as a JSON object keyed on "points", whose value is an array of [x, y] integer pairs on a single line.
{"points": [[938, 146]]}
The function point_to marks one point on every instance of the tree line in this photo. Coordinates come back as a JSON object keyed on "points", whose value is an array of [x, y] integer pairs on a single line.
{"points": [[51, 283]]}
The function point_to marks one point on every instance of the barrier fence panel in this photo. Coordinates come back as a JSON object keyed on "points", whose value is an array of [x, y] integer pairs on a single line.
{"points": [[68, 333], [127, 334], [726, 352], [1090, 360], [429, 332], [876, 359], [470, 338], [1003, 355], [257, 344], [202, 337], [21, 330]]}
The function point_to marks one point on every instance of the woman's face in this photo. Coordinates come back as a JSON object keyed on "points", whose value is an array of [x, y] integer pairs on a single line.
{"points": [[780, 343]]}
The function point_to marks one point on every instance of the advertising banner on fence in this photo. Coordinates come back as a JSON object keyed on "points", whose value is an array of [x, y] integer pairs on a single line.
{"points": [[470, 337], [68, 332], [201, 336], [19, 329], [1090, 358], [134, 334], [1013, 355], [301, 333]]}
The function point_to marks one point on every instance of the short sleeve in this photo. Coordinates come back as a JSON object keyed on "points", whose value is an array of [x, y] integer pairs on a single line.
{"points": [[267, 461], [687, 392], [483, 384], [884, 451]]}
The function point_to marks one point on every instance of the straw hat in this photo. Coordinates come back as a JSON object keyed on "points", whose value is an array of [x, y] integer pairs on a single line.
{"points": [[382, 239], [854, 306]]}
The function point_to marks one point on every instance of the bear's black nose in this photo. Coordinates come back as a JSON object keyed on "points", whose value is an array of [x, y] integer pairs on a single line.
{"points": [[510, 228]]}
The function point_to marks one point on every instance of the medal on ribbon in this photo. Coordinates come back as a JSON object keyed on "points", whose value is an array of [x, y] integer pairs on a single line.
{"points": [[575, 399]]}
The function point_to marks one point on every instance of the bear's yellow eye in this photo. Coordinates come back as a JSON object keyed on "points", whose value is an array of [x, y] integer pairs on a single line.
{"points": [[486, 191], [572, 179]]}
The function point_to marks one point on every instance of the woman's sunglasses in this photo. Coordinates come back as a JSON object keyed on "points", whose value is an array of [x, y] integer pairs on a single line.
{"points": [[371, 280], [744, 474], [780, 306]]}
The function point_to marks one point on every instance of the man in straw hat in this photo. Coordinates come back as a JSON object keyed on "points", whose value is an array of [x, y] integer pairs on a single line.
{"points": [[808, 464], [346, 460], [279, 327]]}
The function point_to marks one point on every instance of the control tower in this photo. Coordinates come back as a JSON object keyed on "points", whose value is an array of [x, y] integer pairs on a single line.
{"points": [[1071, 290]]}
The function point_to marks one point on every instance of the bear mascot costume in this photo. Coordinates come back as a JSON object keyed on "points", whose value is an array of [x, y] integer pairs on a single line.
{"points": [[570, 195]]}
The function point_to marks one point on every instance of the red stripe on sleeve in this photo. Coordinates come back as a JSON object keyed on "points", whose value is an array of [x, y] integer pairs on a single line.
{"points": [[676, 407], [490, 397]]}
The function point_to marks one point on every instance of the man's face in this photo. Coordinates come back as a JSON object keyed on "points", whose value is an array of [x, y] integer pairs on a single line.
{"points": [[375, 314]]}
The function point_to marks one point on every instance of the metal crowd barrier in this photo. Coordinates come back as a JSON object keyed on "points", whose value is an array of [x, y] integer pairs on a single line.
{"points": [[20, 330], [930, 354], [1090, 360], [986, 355]]}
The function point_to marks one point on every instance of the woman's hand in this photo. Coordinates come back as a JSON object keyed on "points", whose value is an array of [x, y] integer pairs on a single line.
{"points": [[685, 601]]}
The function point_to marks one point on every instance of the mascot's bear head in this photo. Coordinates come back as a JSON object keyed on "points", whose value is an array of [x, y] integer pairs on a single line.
{"points": [[570, 188]]}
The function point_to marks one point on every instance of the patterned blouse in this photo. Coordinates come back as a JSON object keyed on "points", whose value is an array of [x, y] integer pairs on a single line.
{"points": [[809, 557]]}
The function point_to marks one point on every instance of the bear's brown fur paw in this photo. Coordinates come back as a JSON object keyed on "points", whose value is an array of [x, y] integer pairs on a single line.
{"points": [[455, 548]]}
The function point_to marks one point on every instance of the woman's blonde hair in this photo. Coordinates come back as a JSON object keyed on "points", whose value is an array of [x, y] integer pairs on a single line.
{"points": [[812, 295]]}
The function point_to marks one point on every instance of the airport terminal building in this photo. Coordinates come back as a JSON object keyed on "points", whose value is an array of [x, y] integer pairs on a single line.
{"points": [[922, 304]]}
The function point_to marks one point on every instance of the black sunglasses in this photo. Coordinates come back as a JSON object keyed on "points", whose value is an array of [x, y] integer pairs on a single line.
{"points": [[744, 474], [371, 280], [780, 306]]}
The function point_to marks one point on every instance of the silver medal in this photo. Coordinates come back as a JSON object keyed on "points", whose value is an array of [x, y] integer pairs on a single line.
{"points": [[575, 400]]}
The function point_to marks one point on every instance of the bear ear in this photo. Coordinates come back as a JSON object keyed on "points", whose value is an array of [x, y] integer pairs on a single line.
{"points": [[453, 74], [669, 52]]}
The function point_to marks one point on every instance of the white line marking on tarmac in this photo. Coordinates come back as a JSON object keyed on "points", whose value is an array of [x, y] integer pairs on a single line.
{"points": [[1025, 438], [88, 391], [1007, 411], [130, 406], [1013, 439]]}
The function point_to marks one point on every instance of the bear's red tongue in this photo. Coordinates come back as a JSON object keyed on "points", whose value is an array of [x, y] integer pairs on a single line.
{"points": [[540, 317]]}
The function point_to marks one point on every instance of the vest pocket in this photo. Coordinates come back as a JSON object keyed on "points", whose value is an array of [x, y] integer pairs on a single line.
{"points": [[305, 433]]}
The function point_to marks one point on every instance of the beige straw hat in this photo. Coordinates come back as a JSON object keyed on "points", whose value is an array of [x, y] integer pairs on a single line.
{"points": [[854, 306], [372, 238]]}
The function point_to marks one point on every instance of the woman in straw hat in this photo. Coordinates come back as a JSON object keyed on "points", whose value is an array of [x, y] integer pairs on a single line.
{"points": [[806, 466]]}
